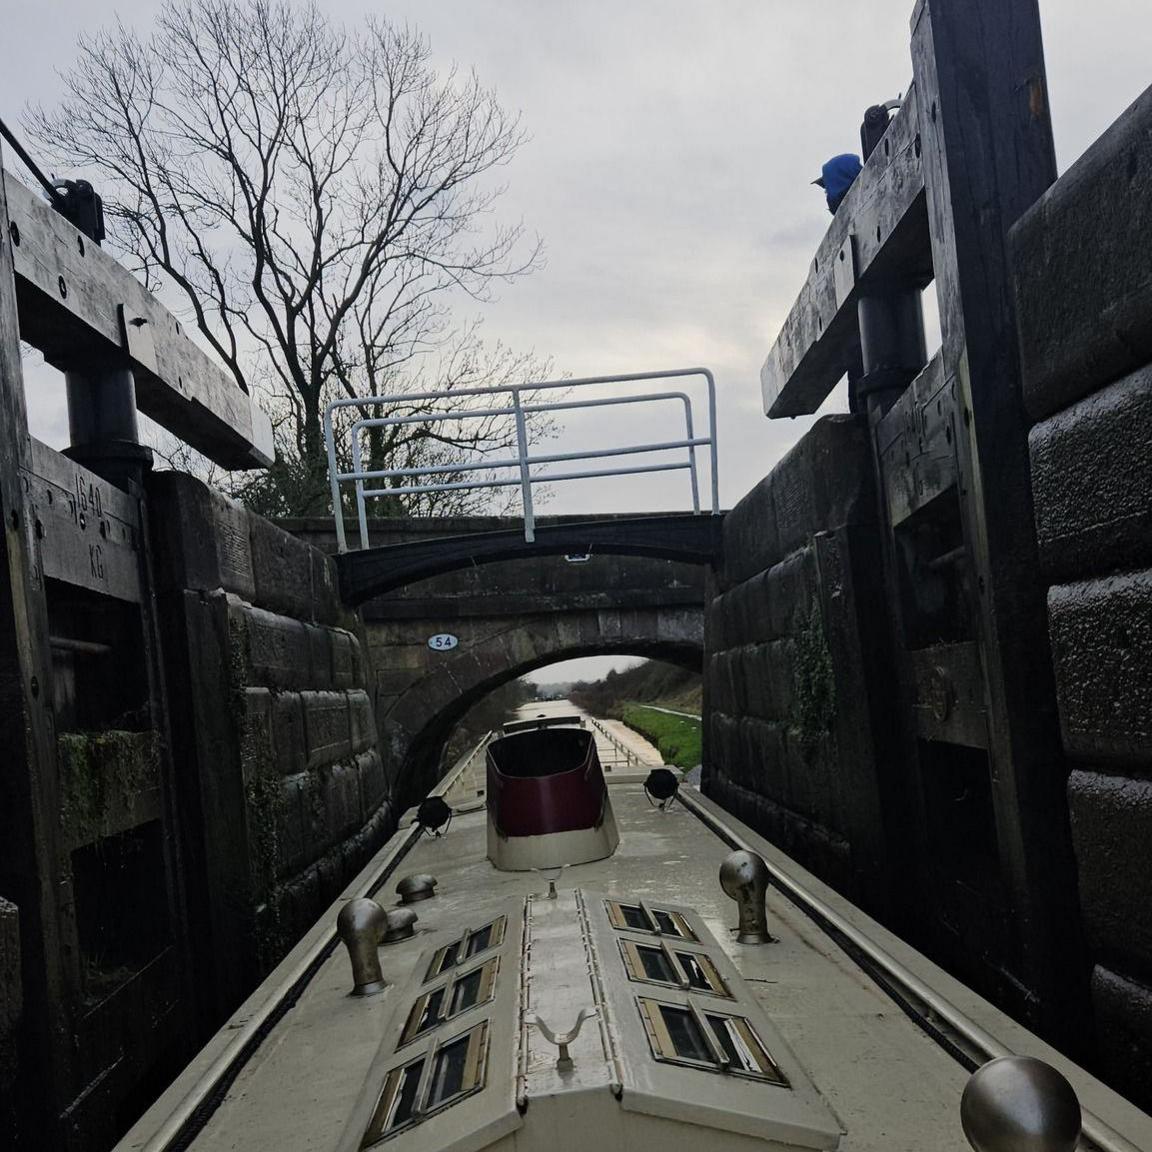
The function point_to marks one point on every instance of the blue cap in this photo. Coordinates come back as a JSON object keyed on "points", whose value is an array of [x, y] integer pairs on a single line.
{"points": [[837, 175]]}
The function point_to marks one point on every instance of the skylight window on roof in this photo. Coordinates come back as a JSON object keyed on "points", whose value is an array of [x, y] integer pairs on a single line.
{"points": [[434, 1081], [712, 1041], [433, 1008], [677, 968], [470, 944], [641, 918]]}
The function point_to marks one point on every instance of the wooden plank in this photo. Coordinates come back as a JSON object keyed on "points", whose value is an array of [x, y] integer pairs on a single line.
{"points": [[76, 303], [89, 530], [914, 440], [949, 700], [988, 155], [30, 859], [882, 225]]}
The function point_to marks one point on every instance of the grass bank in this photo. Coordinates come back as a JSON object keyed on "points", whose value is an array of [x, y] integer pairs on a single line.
{"points": [[677, 737]]}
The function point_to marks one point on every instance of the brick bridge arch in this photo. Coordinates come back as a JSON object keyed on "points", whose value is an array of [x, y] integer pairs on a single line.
{"points": [[416, 723], [512, 616]]}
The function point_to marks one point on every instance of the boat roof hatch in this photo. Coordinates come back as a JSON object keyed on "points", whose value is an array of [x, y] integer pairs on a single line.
{"points": [[548, 804], [578, 1020]]}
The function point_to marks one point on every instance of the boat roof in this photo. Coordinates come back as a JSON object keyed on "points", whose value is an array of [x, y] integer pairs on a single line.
{"points": [[828, 1058], [543, 720]]}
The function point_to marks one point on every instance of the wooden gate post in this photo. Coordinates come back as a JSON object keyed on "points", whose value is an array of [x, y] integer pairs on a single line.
{"points": [[988, 155], [28, 802]]}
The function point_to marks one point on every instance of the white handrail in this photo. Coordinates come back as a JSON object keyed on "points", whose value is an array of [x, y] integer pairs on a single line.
{"points": [[523, 461]]}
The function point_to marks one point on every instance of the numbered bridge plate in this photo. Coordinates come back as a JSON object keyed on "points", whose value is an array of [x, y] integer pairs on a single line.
{"points": [[443, 642]]}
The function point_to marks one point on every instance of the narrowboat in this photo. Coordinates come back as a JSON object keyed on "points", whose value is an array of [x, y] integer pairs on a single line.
{"points": [[588, 960]]}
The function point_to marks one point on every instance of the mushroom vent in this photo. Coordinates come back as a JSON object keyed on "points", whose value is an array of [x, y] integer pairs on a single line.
{"points": [[547, 801]]}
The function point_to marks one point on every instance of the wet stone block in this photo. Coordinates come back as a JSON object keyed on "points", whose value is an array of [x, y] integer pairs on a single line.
{"points": [[1083, 269], [721, 682], [361, 720], [824, 482], [779, 679], [299, 902], [326, 605], [343, 658], [751, 540], [725, 744], [791, 587], [1101, 632], [771, 745], [291, 829], [282, 566], [714, 624], [740, 608], [738, 659], [288, 722], [758, 606], [330, 868], [1111, 830], [373, 782], [341, 790], [256, 742], [1091, 465], [319, 656], [1124, 1032], [314, 814], [326, 727], [277, 649], [233, 548], [822, 851]]}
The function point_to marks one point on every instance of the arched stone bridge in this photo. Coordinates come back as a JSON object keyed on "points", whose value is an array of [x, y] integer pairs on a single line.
{"points": [[511, 616]]}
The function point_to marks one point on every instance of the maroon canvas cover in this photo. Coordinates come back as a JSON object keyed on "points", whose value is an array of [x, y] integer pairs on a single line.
{"points": [[527, 803]]}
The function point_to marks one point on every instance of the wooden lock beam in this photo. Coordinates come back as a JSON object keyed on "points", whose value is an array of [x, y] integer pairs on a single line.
{"points": [[77, 304], [878, 236]]}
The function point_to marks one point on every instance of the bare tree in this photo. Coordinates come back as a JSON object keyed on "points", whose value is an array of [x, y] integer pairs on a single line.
{"points": [[316, 195]]}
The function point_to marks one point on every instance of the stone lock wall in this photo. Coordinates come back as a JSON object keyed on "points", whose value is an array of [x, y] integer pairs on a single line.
{"points": [[283, 791], [1084, 289], [792, 680]]}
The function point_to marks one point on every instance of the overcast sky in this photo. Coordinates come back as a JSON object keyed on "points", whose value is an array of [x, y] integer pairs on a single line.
{"points": [[672, 145]]}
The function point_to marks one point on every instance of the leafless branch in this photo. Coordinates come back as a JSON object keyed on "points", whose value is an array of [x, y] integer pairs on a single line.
{"points": [[313, 195]]}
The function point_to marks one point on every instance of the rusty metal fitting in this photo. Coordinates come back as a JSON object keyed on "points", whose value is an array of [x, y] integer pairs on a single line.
{"points": [[744, 877], [400, 925], [360, 925], [419, 886]]}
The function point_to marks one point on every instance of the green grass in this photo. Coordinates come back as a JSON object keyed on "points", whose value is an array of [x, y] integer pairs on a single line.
{"points": [[677, 737]]}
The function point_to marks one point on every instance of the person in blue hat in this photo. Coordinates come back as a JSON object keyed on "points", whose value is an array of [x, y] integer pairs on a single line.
{"points": [[836, 178]]}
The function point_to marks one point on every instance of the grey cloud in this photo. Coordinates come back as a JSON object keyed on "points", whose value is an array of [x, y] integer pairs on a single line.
{"points": [[672, 145]]}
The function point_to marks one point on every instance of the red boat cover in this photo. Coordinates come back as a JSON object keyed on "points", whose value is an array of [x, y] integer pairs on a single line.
{"points": [[548, 780]]}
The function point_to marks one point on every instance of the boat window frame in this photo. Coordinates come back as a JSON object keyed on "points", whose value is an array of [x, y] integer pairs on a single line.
{"points": [[634, 967], [664, 1049], [459, 948], [616, 918], [489, 969], [381, 1127]]}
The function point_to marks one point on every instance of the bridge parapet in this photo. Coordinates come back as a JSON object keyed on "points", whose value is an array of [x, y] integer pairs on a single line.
{"points": [[688, 538]]}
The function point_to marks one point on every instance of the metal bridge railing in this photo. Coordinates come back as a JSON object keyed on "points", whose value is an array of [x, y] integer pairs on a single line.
{"points": [[523, 461], [617, 746]]}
